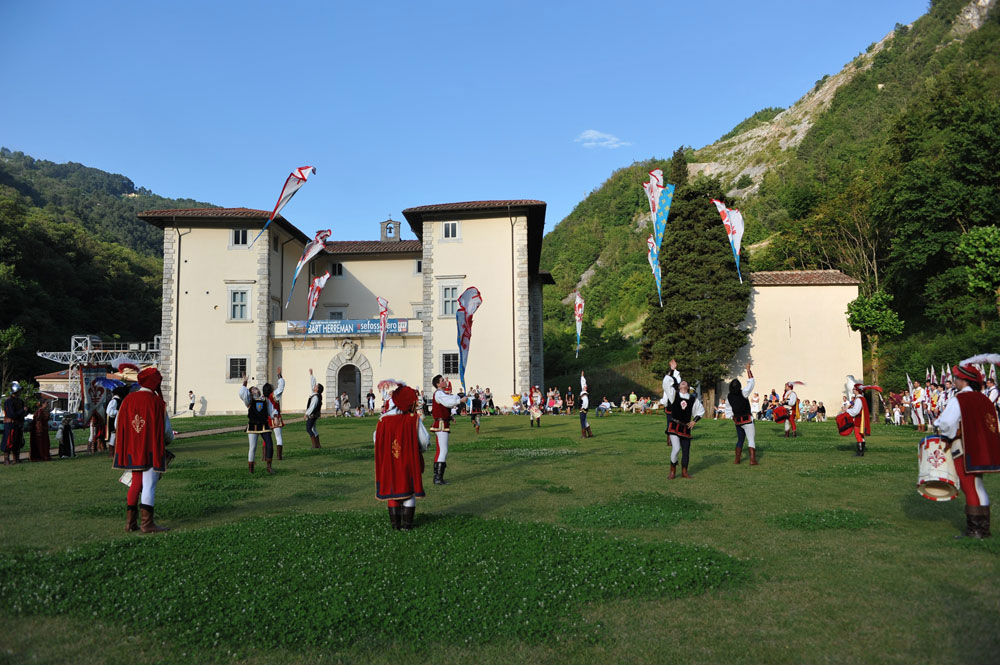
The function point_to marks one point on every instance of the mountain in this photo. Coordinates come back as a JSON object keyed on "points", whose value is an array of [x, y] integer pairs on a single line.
{"points": [[105, 204], [879, 171], [74, 259]]}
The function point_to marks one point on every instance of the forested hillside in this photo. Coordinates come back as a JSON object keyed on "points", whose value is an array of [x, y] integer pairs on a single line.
{"points": [[888, 170], [73, 258]]}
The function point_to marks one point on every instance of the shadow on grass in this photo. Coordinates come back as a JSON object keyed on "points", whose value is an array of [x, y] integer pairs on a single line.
{"points": [[916, 507]]}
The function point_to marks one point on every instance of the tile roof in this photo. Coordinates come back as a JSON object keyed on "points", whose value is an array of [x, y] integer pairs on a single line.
{"points": [[802, 278], [162, 218], [245, 213], [374, 247], [473, 205]]}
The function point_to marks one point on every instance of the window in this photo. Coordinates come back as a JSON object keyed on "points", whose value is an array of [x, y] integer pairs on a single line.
{"points": [[336, 269], [336, 315], [420, 266], [449, 300], [451, 230], [237, 368], [276, 247], [239, 237], [449, 363], [239, 305]]}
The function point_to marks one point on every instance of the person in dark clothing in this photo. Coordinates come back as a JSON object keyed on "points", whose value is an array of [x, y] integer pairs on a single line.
{"points": [[14, 412]]}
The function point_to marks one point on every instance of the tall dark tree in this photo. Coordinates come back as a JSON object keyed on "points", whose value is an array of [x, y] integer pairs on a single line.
{"points": [[678, 168], [704, 303]]}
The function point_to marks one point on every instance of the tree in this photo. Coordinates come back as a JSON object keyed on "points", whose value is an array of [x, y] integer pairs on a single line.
{"points": [[873, 317], [980, 248], [679, 168], [704, 303], [11, 338]]}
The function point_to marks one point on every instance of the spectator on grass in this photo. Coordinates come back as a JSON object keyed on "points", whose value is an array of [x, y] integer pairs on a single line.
{"points": [[821, 413], [755, 406], [604, 407]]}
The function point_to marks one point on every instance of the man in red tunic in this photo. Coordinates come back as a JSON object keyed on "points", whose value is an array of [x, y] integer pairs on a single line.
{"points": [[858, 410], [970, 429], [142, 435], [399, 464]]}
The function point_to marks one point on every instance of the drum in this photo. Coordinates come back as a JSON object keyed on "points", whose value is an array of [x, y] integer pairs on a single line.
{"points": [[781, 414], [937, 479], [845, 424]]}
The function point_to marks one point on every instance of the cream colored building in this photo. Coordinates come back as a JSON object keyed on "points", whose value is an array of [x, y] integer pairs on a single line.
{"points": [[799, 332], [224, 308]]}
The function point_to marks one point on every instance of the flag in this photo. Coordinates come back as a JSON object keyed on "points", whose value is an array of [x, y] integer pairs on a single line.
{"points": [[934, 375], [909, 385], [294, 181], [927, 375], [993, 373], [660, 197], [383, 324], [654, 262], [578, 314], [732, 219], [314, 290], [315, 246], [468, 303]]}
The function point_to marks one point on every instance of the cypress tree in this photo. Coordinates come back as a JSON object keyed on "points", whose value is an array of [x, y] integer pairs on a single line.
{"points": [[704, 303], [678, 168]]}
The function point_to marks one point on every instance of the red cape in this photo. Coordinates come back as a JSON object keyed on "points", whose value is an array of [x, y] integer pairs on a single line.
{"points": [[398, 462], [139, 443], [862, 421], [980, 435]]}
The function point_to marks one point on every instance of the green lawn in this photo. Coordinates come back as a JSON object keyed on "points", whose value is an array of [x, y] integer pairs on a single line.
{"points": [[543, 548]]}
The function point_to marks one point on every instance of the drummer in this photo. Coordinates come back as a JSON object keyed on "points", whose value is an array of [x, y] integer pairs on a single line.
{"points": [[971, 420]]}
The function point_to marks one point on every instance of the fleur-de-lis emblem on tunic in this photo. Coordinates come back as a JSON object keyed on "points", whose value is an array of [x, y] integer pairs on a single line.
{"points": [[138, 423], [395, 448]]}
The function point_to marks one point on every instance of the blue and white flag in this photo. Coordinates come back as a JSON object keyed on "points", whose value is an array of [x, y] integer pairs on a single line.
{"points": [[660, 197]]}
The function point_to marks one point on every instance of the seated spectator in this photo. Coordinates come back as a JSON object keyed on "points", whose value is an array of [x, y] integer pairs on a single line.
{"points": [[720, 410], [821, 413]]}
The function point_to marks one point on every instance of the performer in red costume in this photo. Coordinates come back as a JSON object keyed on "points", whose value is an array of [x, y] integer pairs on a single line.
{"points": [[399, 465], [971, 431], [791, 402], [444, 402], [862, 419], [143, 433]]}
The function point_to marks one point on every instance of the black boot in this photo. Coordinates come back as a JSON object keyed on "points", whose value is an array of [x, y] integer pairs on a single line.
{"points": [[439, 473], [394, 516], [406, 519], [859, 451], [864, 447]]}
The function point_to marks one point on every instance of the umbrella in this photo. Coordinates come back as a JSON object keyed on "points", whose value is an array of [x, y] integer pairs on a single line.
{"points": [[110, 384]]}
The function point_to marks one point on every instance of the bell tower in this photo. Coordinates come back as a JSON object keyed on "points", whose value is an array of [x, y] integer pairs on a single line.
{"points": [[390, 231]]}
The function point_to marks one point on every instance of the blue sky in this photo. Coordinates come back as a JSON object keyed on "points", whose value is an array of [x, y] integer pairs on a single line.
{"points": [[399, 104]]}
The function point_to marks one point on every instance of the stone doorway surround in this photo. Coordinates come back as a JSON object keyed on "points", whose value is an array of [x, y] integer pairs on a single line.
{"points": [[350, 355]]}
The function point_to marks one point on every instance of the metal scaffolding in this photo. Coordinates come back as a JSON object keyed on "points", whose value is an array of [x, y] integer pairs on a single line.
{"points": [[89, 350]]}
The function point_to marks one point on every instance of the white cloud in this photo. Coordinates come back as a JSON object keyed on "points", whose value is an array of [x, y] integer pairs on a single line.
{"points": [[591, 138]]}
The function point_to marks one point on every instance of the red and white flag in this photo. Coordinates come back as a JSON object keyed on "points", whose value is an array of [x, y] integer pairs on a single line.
{"points": [[293, 183], [383, 324], [468, 303], [312, 250], [732, 219], [315, 288]]}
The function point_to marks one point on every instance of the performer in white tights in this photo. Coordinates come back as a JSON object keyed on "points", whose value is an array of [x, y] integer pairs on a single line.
{"points": [[683, 411], [444, 402]]}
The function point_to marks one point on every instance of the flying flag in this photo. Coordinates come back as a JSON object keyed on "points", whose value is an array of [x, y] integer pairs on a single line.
{"points": [[578, 314], [314, 290], [660, 197], [732, 219], [315, 246], [653, 256], [468, 303], [297, 178], [993, 373], [934, 375], [909, 385], [383, 324]]}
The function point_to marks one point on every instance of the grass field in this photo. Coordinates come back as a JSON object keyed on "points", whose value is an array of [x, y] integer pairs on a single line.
{"points": [[543, 548]]}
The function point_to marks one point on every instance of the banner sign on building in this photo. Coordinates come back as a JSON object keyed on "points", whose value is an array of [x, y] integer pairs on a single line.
{"points": [[349, 327]]}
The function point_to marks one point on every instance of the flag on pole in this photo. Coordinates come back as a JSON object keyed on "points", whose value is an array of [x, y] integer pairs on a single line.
{"points": [[578, 314], [315, 246], [909, 385], [314, 290], [294, 181], [927, 375], [653, 256], [468, 303], [383, 324], [732, 219], [993, 373], [660, 197], [934, 375]]}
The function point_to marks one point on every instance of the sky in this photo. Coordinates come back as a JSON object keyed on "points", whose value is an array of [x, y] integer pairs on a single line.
{"points": [[400, 104]]}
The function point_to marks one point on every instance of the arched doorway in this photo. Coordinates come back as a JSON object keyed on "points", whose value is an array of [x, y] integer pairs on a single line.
{"points": [[349, 381]]}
